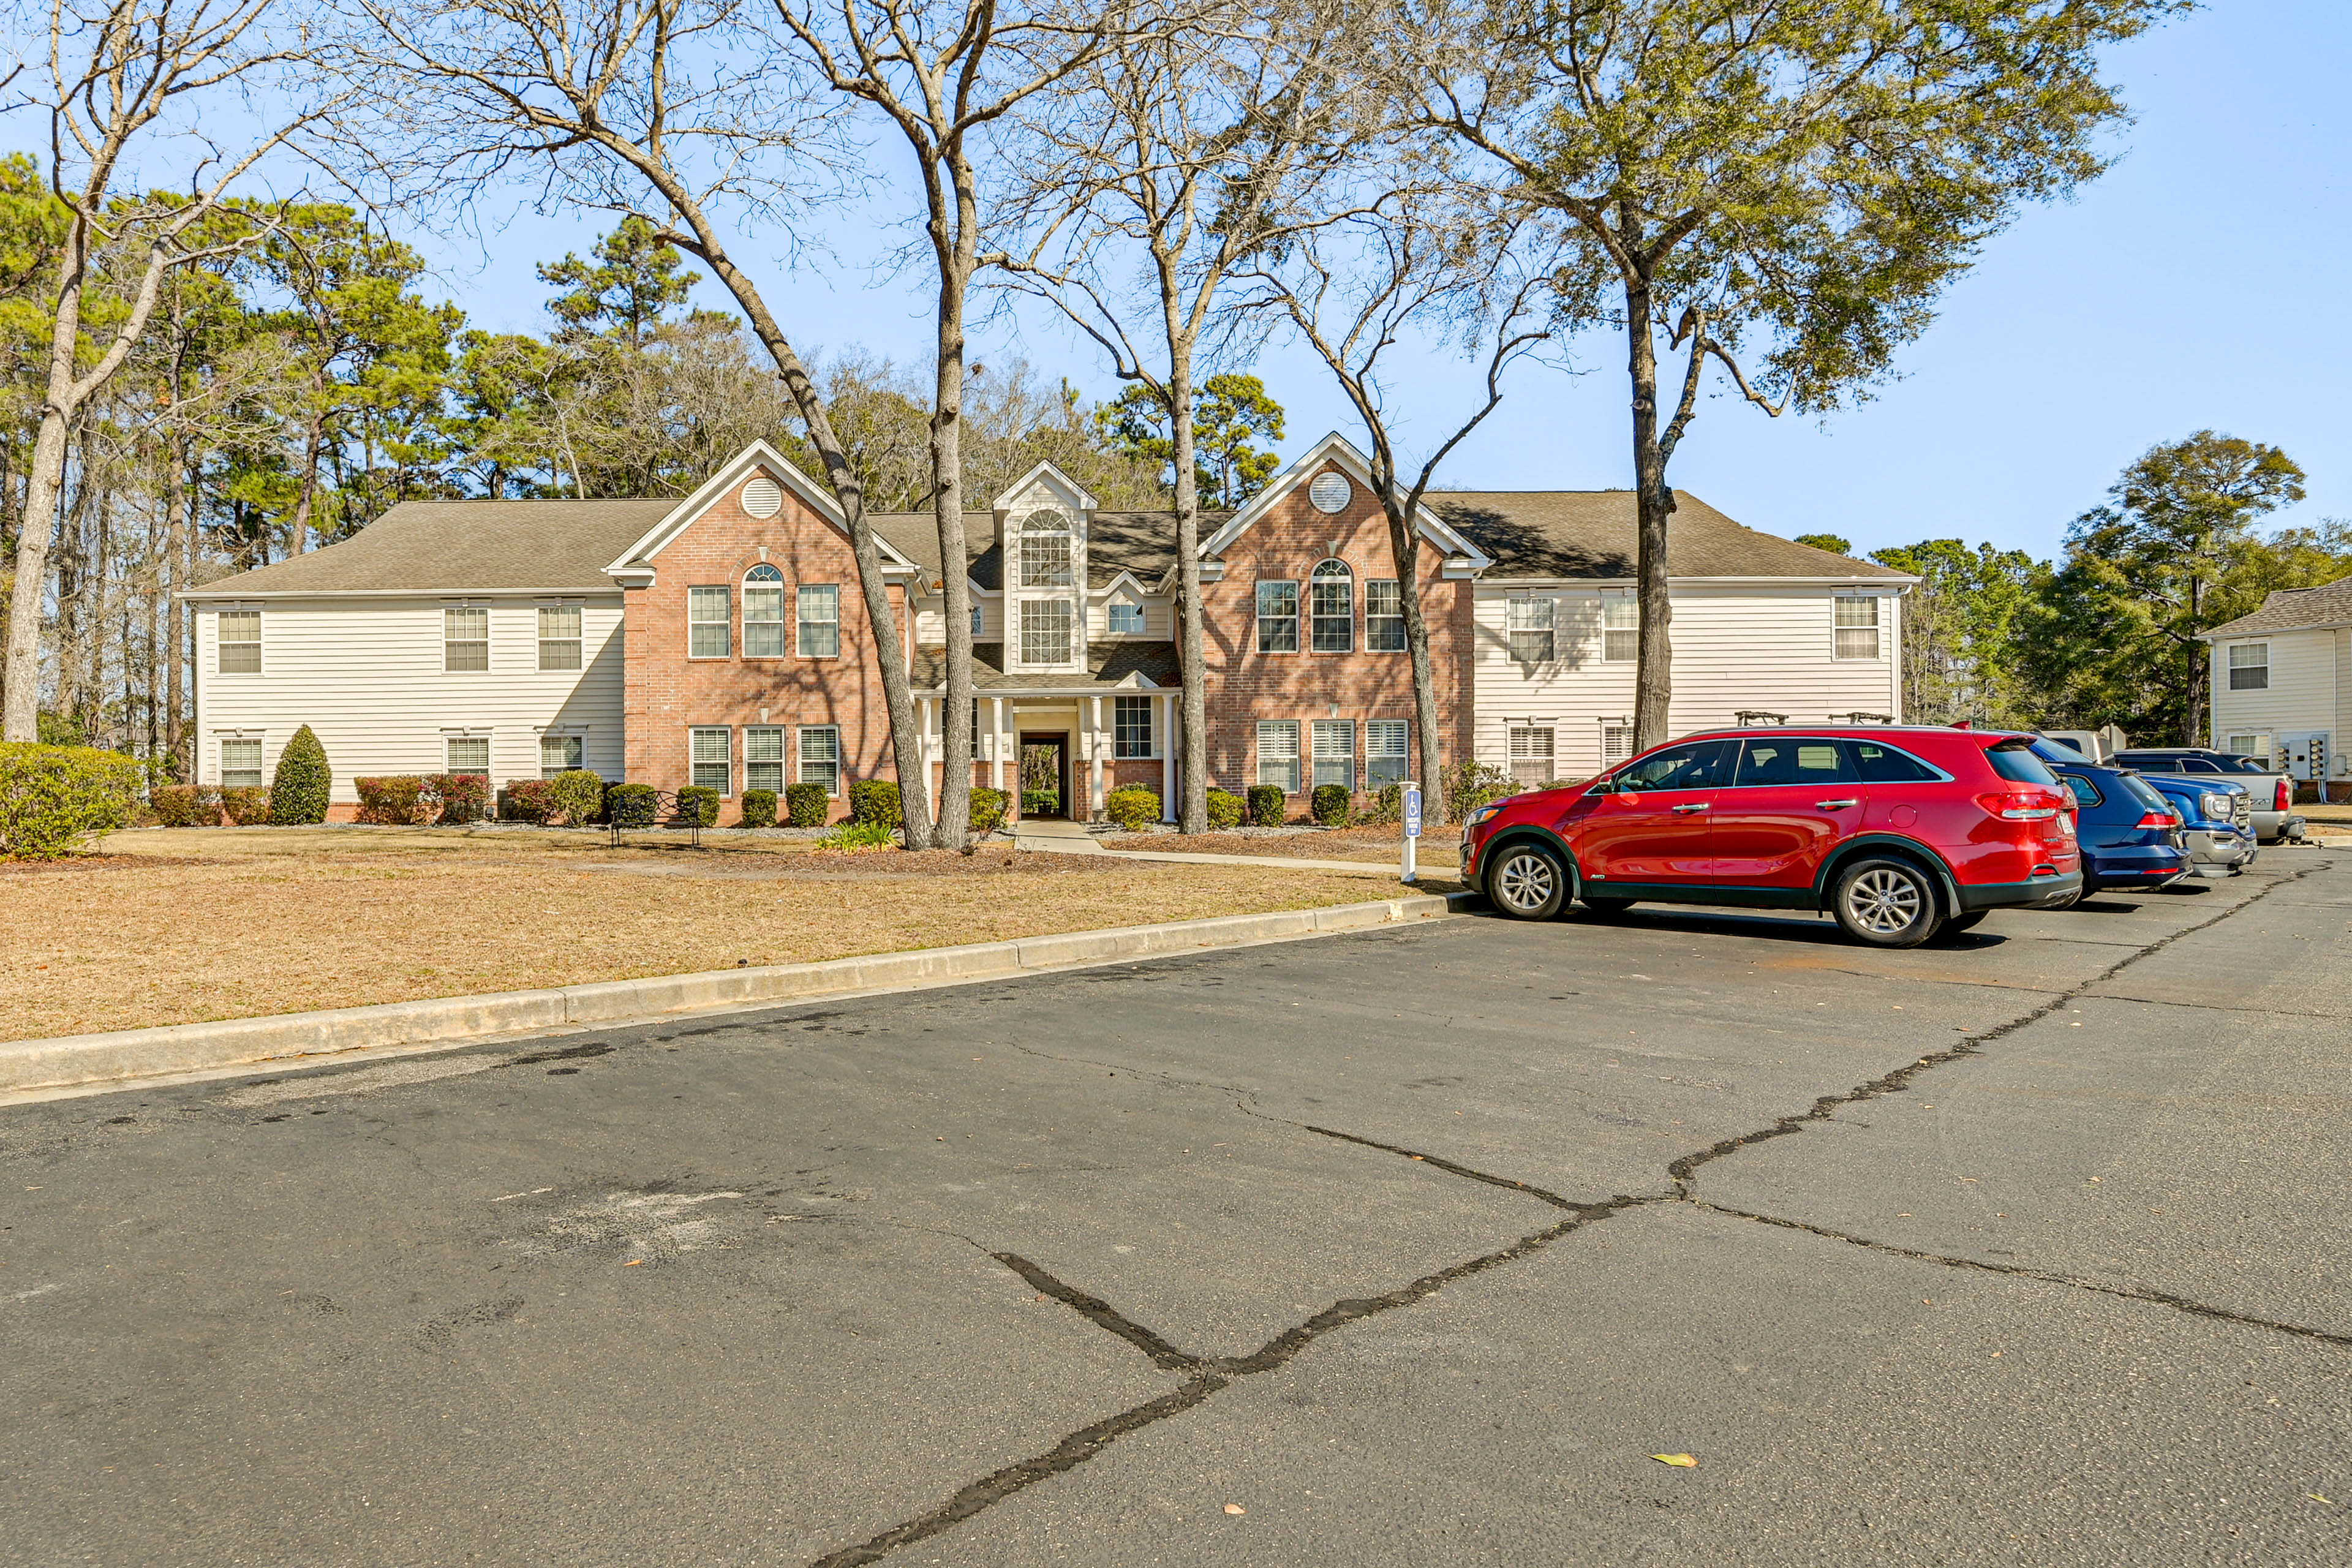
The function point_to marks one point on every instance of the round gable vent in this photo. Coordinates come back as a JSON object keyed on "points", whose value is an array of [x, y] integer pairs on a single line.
{"points": [[1330, 492], [763, 497]]}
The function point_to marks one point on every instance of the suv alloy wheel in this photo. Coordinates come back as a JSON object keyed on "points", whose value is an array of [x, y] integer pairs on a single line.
{"points": [[1528, 883], [1885, 902]]}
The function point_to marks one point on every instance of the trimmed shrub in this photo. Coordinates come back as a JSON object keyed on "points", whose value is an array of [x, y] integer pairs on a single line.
{"points": [[394, 802], [248, 805], [987, 808], [175, 806], [1331, 804], [759, 808], [807, 804], [1040, 801], [875, 800], [1471, 783], [632, 805], [1133, 807], [577, 794], [697, 806], [298, 790], [459, 797], [527, 800], [1265, 806], [1225, 808], [54, 798]]}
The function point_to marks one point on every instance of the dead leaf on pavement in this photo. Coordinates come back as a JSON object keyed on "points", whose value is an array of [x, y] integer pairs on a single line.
{"points": [[1236, 1508], [1680, 1461]]}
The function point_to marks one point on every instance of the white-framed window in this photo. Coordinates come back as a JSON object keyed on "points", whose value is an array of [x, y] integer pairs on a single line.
{"points": [[764, 612], [2250, 667], [559, 755], [558, 636], [1332, 607], [820, 761], [1384, 615], [1857, 626], [708, 614], [978, 618], [240, 763], [711, 759], [819, 632], [1125, 619], [1531, 755], [1130, 726], [2256, 745], [1046, 561], [1528, 621], [466, 640], [1616, 742], [1620, 626], [240, 642], [1387, 751], [763, 757], [1277, 617], [466, 754], [1278, 753], [1335, 752], [1046, 628]]}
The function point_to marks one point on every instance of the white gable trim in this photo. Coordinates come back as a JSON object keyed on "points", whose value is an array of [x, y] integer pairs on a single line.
{"points": [[634, 565], [1336, 449], [1068, 487]]}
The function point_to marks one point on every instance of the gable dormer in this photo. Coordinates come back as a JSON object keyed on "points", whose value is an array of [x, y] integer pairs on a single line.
{"points": [[1042, 520]]}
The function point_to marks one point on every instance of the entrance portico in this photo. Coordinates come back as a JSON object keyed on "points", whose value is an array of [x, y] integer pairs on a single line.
{"points": [[1116, 724]]}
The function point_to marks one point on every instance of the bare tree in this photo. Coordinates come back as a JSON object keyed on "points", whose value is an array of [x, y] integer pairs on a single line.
{"points": [[948, 75], [1178, 152], [121, 77], [630, 105], [1411, 268]]}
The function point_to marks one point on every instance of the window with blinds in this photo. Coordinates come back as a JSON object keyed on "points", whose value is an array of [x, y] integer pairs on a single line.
{"points": [[1621, 626], [763, 758], [1384, 615], [2250, 667], [1531, 755], [1277, 617], [1335, 752], [558, 754], [240, 764], [819, 632], [1277, 754], [1857, 626], [764, 612], [558, 636], [466, 640], [820, 761], [1528, 622], [1616, 743], [240, 642], [1385, 752], [707, 612], [711, 759], [467, 753], [1332, 607]]}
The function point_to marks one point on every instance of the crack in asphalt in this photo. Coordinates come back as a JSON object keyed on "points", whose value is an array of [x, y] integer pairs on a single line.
{"points": [[1209, 1375], [2024, 1272]]}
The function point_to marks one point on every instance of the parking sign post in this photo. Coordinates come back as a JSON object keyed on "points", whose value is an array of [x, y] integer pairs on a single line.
{"points": [[1411, 832]]}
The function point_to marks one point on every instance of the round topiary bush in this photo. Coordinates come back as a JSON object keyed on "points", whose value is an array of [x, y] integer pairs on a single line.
{"points": [[874, 800], [576, 794], [807, 804], [632, 805], [987, 809], [1132, 807], [697, 806], [759, 808], [1265, 806], [298, 790], [1330, 803], [1225, 808]]}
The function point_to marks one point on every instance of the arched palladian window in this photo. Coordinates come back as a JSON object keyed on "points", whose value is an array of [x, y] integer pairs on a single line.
{"points": [[1332, 607], [764, 612]]}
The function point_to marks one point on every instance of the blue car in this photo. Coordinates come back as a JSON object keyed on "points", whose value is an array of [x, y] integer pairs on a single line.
{"points": [[2131, 837], [2217, 821]]}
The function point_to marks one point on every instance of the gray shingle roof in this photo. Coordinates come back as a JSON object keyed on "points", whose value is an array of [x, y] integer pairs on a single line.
{"points": [[1108, 664], [2291, 609], [440, 546], [1590, 533], [1143, 542]]}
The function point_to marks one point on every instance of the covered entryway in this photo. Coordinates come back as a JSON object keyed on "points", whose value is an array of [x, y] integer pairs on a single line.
{"points": [[1045, 774]]}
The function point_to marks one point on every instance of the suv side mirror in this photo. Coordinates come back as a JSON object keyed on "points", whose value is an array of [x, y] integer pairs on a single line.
{"points": [[1603, 786]]}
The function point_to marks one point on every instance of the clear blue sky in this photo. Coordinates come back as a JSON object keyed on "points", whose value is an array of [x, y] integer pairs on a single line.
{"points": [[2200, 283]]}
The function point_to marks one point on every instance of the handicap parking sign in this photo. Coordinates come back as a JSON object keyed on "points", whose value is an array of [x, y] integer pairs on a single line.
{"points": [[1412, 811]]}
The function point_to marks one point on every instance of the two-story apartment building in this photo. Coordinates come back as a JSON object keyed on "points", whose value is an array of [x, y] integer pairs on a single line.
{"points": [[723, 640], [2280, 682]]}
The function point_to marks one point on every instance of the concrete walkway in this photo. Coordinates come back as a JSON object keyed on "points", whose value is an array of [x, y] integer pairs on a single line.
{"points": [[1054, 836]]}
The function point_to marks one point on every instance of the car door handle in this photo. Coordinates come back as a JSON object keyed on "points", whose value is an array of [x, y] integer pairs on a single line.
{"points": [[1699, 805], [1833, 805]]}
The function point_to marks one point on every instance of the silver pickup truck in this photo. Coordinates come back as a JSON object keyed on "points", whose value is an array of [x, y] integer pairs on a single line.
{"points": [[2274, 815]]}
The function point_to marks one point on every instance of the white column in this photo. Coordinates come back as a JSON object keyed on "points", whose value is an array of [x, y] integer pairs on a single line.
{"points": [[923, 708], [996, 743], [1095, 760], [1166, 736]]}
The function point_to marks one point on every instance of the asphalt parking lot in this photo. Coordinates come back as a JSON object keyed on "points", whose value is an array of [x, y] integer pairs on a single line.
{"points": [[1409, 1246]]}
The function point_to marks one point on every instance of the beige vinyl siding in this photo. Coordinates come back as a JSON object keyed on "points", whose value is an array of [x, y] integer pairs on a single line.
{"points": [[366, 675], [2307, 684], [931, 623], [1158, 617], [1736, 645]]}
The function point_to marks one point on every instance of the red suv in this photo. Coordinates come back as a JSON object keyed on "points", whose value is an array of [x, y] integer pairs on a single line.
{"points": [[1898, 832]]}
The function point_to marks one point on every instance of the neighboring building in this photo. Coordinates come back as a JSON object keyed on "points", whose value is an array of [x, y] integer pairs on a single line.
{"points": [[723, 639], [2281, 680]]}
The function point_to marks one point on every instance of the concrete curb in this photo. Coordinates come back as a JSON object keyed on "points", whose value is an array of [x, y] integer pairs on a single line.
{"points": [[68, 1061]]}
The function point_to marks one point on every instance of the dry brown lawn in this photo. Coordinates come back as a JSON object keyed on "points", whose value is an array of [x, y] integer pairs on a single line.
{"points": [[1440, 850], [184, 925]]}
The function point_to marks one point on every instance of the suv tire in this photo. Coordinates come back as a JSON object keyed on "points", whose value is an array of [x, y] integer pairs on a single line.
{"points": [[1885, 902], [1528, 882]]}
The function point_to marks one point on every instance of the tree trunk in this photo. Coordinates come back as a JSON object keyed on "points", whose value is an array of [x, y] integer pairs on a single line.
{"points": [[20, 685], [2192, 719], [1654, 503], [1404, 548], [299, 536], [1192, 802], [955, 572]]}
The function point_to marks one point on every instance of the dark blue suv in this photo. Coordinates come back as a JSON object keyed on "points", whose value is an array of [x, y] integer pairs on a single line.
{"points": [[2131, 837]]}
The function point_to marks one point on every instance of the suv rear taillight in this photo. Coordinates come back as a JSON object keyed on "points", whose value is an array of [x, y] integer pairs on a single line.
{"points": [[2157, 819], [2020, 805], [2285, 799]]}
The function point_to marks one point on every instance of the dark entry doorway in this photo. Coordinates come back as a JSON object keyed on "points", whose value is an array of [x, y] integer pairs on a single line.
{"points": [[1045, 774]]}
